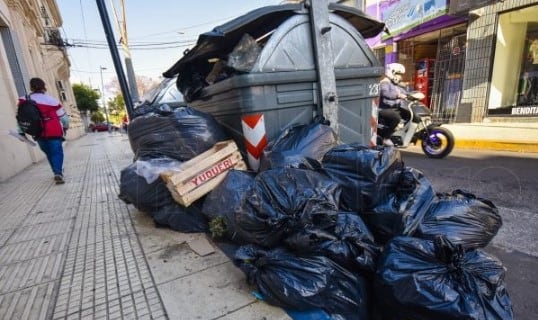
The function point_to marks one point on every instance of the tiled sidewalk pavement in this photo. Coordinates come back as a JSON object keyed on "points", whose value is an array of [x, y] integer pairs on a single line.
{"points": [[70, 251], [75, 251]]}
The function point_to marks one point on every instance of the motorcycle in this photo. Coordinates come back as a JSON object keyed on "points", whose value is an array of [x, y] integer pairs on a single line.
{"points": [[417, 124]]}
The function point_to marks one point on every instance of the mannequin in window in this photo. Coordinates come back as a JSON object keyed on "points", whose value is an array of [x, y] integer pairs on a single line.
{"points": [[532, 91], [533, 53]]}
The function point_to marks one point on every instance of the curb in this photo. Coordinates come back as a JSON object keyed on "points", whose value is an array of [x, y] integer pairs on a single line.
{"points": [[516, 146]]}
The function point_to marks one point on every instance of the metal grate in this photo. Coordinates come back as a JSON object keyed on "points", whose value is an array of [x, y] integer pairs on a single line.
{"points": [[448, 63], [448, 80], [380, 55]]}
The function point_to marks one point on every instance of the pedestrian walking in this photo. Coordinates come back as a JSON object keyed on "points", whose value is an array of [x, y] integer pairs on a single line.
{"points": [[53, 123]]}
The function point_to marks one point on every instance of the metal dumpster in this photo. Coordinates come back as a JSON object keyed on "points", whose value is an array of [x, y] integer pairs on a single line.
{"points": [[283, 83]]}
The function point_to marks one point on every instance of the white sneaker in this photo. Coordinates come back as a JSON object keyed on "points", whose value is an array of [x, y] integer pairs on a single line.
{"points": [[388, 143]]}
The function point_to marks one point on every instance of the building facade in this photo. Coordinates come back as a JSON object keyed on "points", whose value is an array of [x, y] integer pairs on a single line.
{"points": [[31, 46], [474, 60]]}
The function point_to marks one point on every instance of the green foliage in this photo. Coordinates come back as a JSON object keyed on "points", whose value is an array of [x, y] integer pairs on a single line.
{"points": [[116, 105], [85, 97], [97, 117], [217, 227]]}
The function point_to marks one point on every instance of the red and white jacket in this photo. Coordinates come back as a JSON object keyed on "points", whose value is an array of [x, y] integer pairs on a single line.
{"points": [[51, 112]]}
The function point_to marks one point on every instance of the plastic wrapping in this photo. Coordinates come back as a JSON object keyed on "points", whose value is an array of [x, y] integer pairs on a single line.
{"points": [[367, 176], [224, 202], [182, 135], [403, 210], [347, 242], [152, 168], [244, 55], [147, 197], [298, 146], [423, 280], [463, 218], [304, 283], [282, 200]]}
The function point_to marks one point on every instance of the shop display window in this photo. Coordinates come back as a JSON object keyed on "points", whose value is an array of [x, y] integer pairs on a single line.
{"points": [[514, 80], [528, 78]]}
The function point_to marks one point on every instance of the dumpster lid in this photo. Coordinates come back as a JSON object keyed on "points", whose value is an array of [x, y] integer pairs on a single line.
{"points": [[222, 39]]}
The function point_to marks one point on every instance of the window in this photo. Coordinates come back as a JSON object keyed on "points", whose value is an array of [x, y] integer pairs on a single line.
{"points": [[514, 80]]}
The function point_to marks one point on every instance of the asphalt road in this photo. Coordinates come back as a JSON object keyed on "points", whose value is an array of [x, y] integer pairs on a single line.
{"points": [[510, 181]]}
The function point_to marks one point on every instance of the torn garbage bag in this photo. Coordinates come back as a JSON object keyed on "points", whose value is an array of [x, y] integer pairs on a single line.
{"points": [[181, 135], [224, 202], [304, 282], [463, 218], [347, 242], [147, 197], [298, 146], [282, 200], [423, 280], [402, 211], [366, 175]]}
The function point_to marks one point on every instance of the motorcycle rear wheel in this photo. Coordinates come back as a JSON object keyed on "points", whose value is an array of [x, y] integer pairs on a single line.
{"points": [[438, 143]]}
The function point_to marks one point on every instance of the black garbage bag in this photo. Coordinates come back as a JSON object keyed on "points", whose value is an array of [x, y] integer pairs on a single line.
{"points": [[282, 200], [179, 218], [192, 80], [403, 210], [424, 279], [347, 242], [304, 282], [463, 218], [299, 146], [224, 202], [366, 175], [181, 135], [147, 197], [153, 110]]}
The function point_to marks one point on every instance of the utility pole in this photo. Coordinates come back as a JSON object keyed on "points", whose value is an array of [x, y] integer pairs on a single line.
{"points": [[122, 28], [115, 57]]}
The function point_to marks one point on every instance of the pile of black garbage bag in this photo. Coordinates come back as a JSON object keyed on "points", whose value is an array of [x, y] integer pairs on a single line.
{"points": [[342, 228]]}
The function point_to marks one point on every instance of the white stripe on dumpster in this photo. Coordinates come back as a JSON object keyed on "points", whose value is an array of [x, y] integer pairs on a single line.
{"points": [[373, 123], [255, 138]]}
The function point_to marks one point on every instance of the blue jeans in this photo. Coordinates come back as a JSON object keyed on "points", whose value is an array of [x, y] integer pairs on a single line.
{"points": [[55, 153]]}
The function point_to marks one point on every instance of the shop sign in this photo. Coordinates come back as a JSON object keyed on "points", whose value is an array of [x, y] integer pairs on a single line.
{"points": [[530, 110], [402, 15], [525, 111], [462, 7]]}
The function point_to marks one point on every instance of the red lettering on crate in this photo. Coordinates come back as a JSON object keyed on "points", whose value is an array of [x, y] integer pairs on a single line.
{"points": [[212, 172]]}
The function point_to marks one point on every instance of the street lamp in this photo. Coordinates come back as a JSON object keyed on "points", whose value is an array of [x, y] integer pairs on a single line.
{"points": [[101, 68]]}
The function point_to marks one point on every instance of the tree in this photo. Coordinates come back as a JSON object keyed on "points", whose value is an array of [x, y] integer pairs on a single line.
{"points": [[116, 105], [143, 83], [86, 98], [97, 117], [116, 108]]}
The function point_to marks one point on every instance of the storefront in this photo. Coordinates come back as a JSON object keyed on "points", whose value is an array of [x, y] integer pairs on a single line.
{"points": [[431, 45], [514, 79]]}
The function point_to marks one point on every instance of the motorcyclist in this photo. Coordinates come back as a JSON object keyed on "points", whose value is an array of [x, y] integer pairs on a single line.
{"points": [[390, 99]]}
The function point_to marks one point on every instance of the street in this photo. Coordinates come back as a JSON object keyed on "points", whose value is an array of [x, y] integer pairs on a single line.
{"points": [[509, 180]]}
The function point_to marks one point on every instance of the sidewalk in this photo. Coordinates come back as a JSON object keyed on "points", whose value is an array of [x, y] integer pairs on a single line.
{"points": [[518, 137], [75, 251]]}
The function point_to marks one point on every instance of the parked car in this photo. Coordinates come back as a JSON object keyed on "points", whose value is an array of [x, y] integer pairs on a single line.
{"points": [[163, 97], [102, 126]]}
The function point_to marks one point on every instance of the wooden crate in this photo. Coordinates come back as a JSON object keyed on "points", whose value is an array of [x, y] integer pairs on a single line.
{"points": [[203, 173]]}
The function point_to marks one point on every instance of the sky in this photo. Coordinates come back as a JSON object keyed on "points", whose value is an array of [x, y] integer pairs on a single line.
{"points": [[158, 33]]}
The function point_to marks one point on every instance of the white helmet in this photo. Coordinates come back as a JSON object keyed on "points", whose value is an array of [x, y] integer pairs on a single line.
{"points": [[395, 71]]}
